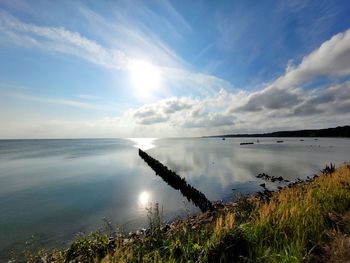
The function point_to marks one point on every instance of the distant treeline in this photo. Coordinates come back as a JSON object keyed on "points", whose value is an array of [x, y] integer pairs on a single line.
{"points": [[330, 132]]}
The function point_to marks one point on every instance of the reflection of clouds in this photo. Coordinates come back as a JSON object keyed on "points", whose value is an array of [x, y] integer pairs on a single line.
{"points": [[143, 143], [107, 177], [61, 148], [83, 189], [215, 166]]}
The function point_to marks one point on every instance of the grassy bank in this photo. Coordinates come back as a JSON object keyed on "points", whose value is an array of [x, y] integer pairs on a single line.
{"points": [[305, 222]]}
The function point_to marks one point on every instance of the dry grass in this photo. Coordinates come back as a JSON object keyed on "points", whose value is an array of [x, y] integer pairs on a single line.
{"points": [[335, 251], [292, 223]]}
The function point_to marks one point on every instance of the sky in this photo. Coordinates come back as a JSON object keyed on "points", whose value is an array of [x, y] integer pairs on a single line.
{"points": [[106, 69]]}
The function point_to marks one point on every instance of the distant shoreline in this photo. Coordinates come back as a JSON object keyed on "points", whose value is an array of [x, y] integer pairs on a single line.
{"points": [[338, 132]]}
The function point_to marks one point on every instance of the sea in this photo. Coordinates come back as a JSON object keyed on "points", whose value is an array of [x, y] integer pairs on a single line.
{"points": [[52, 191]]}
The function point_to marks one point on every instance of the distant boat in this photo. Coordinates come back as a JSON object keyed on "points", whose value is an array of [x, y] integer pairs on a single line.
{"points": [[280, 141], [245, 143], [301, 140], [223, 139]]}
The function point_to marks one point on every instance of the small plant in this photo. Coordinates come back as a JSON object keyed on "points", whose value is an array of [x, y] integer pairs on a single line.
{"points": [[154, 219]]}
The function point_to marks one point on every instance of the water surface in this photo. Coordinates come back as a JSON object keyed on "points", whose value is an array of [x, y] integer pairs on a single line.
{"points": [[52, 189]]}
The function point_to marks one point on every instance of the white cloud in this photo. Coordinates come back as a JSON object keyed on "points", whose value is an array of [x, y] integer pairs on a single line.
{"points": [[331, 59], [161, 111], [195, 117], [135, 39], [186, 113], [126, 42], [61, 40], [282, 104], [211, 120], [180, 21], [58, 128], [59, 101], [194, 84]]}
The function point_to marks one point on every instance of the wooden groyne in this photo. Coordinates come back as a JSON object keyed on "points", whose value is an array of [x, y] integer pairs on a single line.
{"points": [[246, 143], [178, 183]]}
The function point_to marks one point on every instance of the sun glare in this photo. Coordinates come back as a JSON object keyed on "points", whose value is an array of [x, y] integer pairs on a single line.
{"points": [[144, 198], [143, 143], [144, 76]]}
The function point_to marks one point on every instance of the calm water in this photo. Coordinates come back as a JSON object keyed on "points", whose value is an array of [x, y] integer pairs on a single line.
{"points": [[50, 190]]}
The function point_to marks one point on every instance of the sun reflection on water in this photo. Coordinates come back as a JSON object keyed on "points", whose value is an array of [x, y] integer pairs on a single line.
{"points": [[144, 198], [143, 143]]}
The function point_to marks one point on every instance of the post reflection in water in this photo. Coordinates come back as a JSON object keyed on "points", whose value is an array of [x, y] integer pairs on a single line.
{"points": [[143, 143]]}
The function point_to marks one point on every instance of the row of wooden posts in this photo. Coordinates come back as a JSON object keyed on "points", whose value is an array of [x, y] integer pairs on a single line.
{"points": [[178, 183]]}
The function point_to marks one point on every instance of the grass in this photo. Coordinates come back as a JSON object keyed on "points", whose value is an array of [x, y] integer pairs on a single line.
{"points": [[302, 223]]}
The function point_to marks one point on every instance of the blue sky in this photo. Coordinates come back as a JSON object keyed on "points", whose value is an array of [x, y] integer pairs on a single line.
{"points": [[172, 68]]}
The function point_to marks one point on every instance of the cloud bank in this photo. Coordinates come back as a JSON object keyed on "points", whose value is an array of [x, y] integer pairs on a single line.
{"points": [[286, 102]]}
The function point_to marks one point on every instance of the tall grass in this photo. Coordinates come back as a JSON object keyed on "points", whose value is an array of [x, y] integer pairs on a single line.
{"points": [[293, 223]]}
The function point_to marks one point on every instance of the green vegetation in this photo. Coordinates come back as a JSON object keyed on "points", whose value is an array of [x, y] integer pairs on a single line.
{"points": [[307, 222]]}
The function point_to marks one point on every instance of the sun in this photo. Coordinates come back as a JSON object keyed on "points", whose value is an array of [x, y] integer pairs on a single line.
{"points": [[144, 76]]}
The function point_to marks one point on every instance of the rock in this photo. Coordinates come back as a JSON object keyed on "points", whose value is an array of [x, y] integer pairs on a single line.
{"points": [[141, 232], [111, 243], [166, 228]]}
